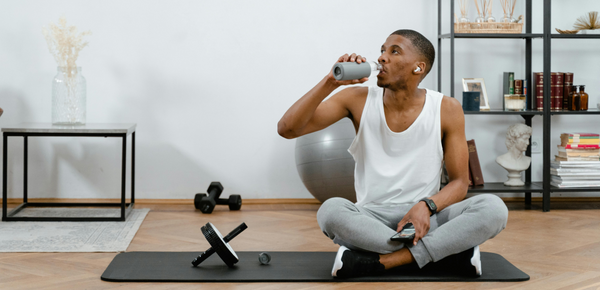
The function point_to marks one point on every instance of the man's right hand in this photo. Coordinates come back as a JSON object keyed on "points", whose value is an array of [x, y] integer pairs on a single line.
{"points": [[347, 58], [310, 113]]}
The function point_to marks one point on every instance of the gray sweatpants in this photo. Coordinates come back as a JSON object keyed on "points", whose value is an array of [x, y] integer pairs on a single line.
{"points": [[456, 228]]}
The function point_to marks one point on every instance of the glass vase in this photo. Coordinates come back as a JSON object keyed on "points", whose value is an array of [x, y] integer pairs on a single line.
{"points": [[68, 97], [480, 20], [464, 23]]}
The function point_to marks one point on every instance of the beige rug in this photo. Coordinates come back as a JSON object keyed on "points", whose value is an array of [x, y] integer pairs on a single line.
{"points": [[70, 236]]}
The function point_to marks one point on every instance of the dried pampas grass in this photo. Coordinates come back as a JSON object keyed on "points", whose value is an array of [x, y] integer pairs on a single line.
{"points": [[65, 43], [588, 21]]}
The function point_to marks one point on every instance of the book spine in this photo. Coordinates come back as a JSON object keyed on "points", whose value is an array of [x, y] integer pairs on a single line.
{"points": [[560, 87], [519, 87], [584, 141], [567, 90], [539, 90], [474, 163], [505, 86], [511, 83], [470, 177], [471, 101], [525, 93], [583, 135], [592, 170], [553, 89]]}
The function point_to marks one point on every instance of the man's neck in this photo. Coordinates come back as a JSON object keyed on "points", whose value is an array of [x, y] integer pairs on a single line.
{"points": [[402, 99]]}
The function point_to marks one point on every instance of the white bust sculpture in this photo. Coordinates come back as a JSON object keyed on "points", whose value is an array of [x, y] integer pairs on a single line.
{"points": [[514, 161]]}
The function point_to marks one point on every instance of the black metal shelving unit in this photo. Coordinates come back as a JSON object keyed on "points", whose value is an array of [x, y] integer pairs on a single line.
{"points": [[544, 186]]}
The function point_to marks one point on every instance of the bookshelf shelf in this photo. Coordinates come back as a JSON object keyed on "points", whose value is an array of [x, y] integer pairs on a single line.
{"points": [[548, 34], [498, 187], [575, 189], [502, 112], [588, 112], [575, 36], [493, 35]]}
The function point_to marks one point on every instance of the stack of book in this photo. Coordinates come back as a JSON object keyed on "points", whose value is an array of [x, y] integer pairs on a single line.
{"points": [[578, 161], [579, 147]]}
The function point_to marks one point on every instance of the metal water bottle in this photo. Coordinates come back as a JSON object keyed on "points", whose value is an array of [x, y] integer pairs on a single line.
{"points": [[352, 71]]}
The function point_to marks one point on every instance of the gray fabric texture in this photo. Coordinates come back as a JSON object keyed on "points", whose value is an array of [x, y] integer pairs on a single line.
{"points": [[454, 229]]}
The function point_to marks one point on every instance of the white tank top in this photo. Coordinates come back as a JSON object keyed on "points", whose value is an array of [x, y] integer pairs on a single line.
{"points": [[396, 168]]}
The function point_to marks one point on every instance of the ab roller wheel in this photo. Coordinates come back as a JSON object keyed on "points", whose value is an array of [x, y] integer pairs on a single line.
{"points": [[219, 244], [206, 203]]}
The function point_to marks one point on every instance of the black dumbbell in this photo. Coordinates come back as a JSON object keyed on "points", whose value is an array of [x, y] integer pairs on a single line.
{"points": [[219, 244], [206, 203]]}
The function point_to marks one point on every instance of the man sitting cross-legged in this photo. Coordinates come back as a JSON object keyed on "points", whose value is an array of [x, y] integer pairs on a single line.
{"points": [[403, 133]]}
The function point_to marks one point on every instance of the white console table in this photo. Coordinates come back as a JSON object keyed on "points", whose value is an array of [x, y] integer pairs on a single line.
{"points": [[27, 130]]}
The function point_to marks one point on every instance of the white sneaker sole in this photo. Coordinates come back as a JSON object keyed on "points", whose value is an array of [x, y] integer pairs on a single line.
{"points": [[338, 264], [476, 260]]}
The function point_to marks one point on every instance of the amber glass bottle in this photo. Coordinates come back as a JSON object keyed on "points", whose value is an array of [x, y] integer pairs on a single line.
{"points": [[574, 99], [584, 98]]}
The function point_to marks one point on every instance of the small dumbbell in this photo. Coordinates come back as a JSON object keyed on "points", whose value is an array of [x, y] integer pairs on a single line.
{"points": [[206, 203], [219, 244]]}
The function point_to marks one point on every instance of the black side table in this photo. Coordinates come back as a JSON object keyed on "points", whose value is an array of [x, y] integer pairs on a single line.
{"points": [[27, 130]]}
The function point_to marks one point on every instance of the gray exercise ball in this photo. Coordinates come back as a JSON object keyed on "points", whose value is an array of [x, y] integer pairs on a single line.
{"points": [[324, 163]]}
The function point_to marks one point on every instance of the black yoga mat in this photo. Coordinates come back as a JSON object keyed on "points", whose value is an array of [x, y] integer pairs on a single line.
{"points": [[284, 267]]}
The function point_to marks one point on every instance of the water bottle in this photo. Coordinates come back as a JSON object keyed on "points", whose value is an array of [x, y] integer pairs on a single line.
{"points": [[352, 71]]}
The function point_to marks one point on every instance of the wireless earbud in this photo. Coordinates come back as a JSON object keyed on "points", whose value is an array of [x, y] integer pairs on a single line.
{"points": [[418, 69]]}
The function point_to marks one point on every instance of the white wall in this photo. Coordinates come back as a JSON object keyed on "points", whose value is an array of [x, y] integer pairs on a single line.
{"points": [[207, 81]]}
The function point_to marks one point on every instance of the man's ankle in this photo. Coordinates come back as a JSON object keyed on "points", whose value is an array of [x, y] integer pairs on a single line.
{"points": [[395, 259]]}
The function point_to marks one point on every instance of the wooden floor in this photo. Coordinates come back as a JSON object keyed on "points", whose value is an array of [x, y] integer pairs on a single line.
{"points": [[559, 249]]}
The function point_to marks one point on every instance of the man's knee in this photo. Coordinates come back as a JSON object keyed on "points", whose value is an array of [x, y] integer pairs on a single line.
{"points": [[328, 214], [494, 212]]}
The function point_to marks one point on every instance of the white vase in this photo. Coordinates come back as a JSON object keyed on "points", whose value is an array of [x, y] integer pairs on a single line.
{"points": [[68, 97]]}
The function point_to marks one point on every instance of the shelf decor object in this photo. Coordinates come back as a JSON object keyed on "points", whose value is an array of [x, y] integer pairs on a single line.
{"points": [[68, 86], [489, 27], [514, 102], [490, 17], [471, 101], [464, 12], [588, 23], [566, 31], [486, 23], [514, 161], [477, 85]]}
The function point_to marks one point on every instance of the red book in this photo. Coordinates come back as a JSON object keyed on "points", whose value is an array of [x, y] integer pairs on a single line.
{"points": [[558, 93], [474, 164], [554, 87], [582, 134], [567, 90], [538, 88], [470, 177], [582, 146]]}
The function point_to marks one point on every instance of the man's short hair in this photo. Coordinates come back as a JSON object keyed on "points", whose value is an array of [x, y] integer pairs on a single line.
{"points": [[422, 44]]}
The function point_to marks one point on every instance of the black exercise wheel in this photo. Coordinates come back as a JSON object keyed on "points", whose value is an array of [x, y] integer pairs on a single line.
{"points": [[223, 249]]}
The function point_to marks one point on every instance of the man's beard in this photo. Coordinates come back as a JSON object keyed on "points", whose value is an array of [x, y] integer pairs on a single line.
{"points": [[398, 85], [381, 84]]}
